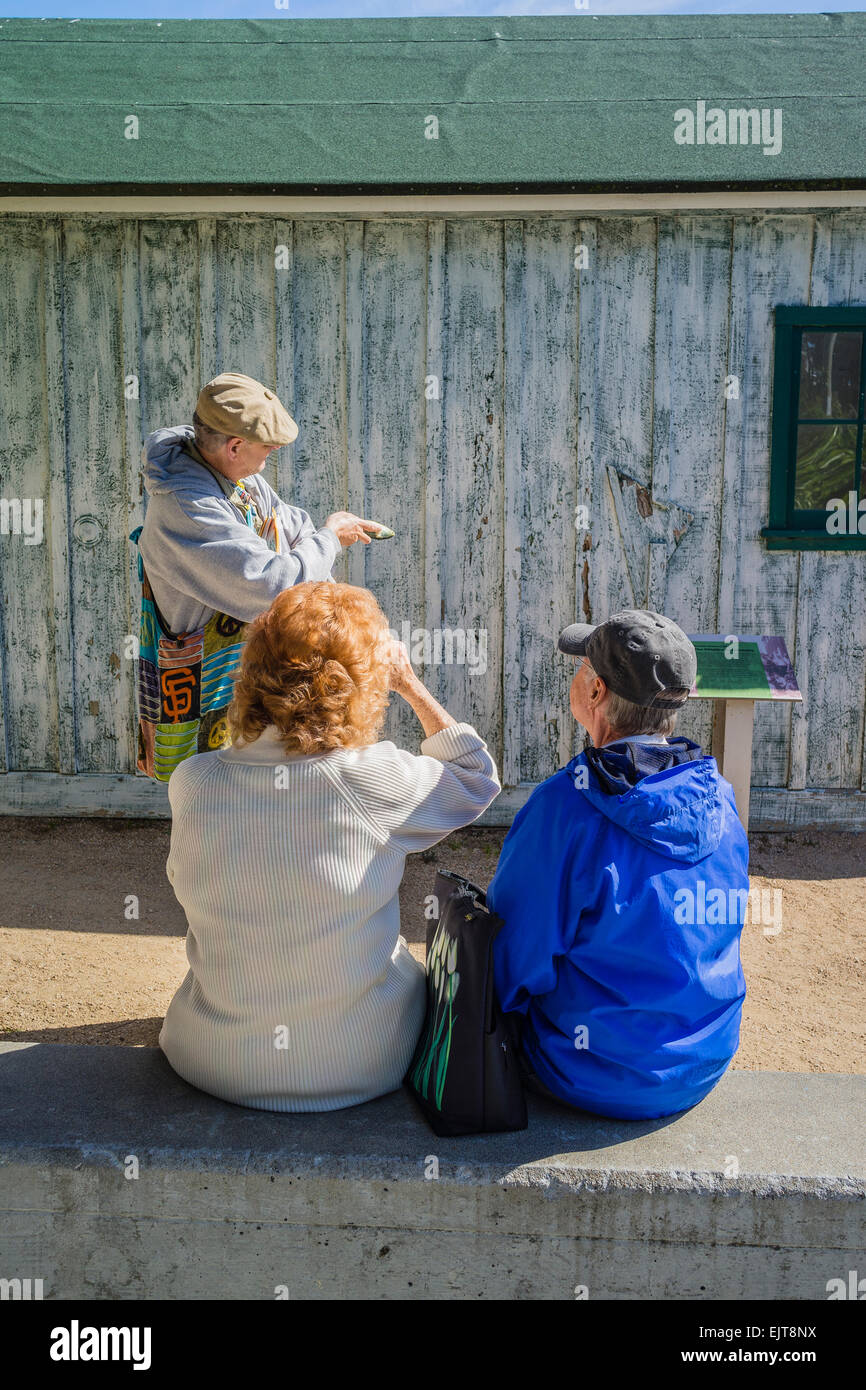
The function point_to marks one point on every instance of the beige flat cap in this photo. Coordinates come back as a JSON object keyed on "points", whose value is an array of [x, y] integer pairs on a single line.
{"points": [[235, 404]]}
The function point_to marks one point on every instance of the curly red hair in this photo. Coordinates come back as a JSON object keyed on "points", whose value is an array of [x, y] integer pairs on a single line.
{"points": [[313, 666]]}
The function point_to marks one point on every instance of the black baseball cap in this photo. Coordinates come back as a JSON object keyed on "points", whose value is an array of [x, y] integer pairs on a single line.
{"points": [[640, 655]]}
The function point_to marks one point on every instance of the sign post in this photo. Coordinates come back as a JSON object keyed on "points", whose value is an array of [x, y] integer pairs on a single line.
{"points": [[735, 671]]}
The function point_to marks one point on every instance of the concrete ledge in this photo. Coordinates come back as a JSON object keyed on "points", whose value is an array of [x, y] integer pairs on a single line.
{"points": [[234, 1203]]}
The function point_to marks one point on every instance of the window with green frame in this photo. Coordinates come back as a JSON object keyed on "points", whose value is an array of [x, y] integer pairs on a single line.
{"points": [[817, 468]]}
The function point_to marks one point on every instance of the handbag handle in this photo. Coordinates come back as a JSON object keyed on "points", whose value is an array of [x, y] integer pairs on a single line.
{"points": [[465, 887]]}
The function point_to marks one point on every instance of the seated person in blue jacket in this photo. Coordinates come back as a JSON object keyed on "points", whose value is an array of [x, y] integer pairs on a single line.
{"points": [[622, 884]]}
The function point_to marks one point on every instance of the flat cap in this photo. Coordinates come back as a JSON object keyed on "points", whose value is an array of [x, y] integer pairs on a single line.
{"points": [[235, 404]]}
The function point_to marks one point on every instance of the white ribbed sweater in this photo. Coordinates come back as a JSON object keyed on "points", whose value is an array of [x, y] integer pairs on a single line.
{"points": [[301, 993]]}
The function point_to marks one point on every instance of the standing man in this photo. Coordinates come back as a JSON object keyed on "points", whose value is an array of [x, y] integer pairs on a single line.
{"points": [[216, 548]]}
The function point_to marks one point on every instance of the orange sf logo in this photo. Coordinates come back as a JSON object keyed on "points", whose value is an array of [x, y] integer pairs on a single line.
{"points": [[178, 684]]}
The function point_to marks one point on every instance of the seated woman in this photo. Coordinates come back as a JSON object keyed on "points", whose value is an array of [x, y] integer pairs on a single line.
{"points": [[287, 853]]}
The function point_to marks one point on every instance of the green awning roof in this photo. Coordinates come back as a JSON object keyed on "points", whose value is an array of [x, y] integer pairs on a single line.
{"points": [[568, 103]]}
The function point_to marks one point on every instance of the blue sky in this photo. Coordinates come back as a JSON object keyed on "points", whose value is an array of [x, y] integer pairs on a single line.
{"points": [[385, 9]]}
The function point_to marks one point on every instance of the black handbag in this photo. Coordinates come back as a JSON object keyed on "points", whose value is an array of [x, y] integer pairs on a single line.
{"points": [[465, 1074]]}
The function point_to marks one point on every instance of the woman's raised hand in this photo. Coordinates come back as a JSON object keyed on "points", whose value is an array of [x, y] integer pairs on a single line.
{"points": [[406, 683], [395, 653]]}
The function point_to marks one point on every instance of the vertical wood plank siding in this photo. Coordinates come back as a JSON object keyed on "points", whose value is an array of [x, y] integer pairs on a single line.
{"points": [[466, 381]]}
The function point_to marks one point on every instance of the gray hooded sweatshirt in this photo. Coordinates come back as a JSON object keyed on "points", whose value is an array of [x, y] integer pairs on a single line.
{"points": [[200, 556]]}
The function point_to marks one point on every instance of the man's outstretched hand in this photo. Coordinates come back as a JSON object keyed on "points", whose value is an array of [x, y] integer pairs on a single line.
{"points": [[349, 528]]}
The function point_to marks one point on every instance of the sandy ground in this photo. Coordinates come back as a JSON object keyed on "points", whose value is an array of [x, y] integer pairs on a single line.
{"points": [[80, 966]]}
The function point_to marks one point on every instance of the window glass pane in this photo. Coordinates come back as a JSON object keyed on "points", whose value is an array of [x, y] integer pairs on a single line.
{"points": [[825, 464], [830, 374]]}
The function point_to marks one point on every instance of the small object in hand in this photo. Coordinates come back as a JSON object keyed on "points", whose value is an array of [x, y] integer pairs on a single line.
{"points": [[384, 533]]}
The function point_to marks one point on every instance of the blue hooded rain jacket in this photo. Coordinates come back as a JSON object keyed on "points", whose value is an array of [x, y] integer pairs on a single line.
{"points": [[621, 890]]}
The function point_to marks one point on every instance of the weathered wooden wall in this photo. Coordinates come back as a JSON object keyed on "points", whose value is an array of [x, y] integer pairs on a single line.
{"points": [[558, 386]]}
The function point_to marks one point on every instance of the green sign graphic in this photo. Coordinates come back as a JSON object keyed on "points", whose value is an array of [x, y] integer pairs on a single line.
{"points": [[740, 677]]}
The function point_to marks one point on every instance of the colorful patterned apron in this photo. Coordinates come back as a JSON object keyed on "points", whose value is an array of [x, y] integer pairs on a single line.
{"points": [[185, 680]]}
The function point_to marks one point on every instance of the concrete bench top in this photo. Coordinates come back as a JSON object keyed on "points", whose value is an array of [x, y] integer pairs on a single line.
{"points": [[232, 1203], [73, 1105]]}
